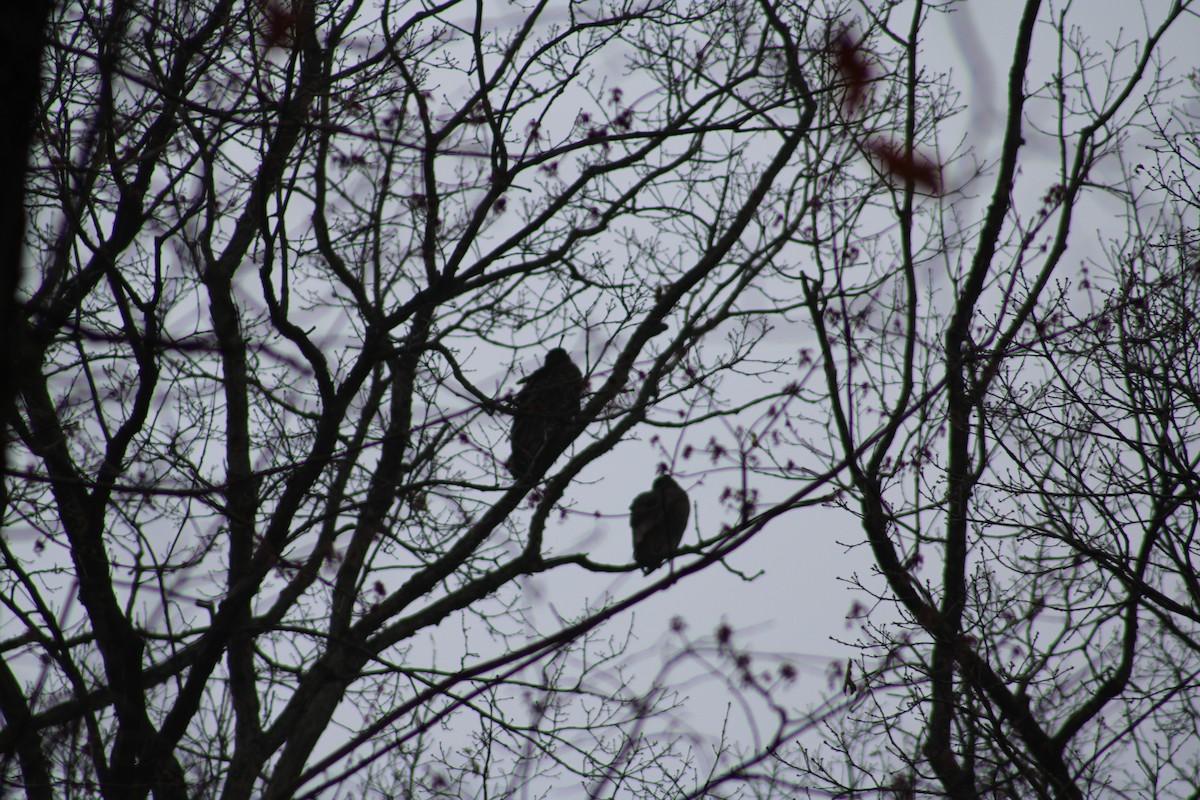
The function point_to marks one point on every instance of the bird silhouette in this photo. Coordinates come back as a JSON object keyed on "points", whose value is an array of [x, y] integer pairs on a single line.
{"points": [[547, 401], [658, 519]]}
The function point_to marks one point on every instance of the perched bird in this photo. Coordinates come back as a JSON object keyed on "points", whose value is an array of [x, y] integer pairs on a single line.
{"points": [[658, 519], [546, 402]]}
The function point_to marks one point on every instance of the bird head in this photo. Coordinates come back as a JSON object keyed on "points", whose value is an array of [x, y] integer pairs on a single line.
{"points": [[663, 482]]}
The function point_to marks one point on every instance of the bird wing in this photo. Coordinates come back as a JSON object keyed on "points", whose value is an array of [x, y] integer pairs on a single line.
{"points": [[645, 514]]}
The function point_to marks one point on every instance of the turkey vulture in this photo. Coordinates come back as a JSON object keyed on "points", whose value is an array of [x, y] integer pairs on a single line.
{"points": [[658, 518], [544, 405]]}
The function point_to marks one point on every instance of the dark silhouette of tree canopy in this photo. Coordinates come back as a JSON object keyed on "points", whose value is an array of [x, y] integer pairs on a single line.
{"points": [[285, 261], [548, 400], [658, 519]]}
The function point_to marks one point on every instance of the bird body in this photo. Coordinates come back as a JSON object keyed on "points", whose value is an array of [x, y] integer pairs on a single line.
{"points": [[658, 519], [548, 399]]}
